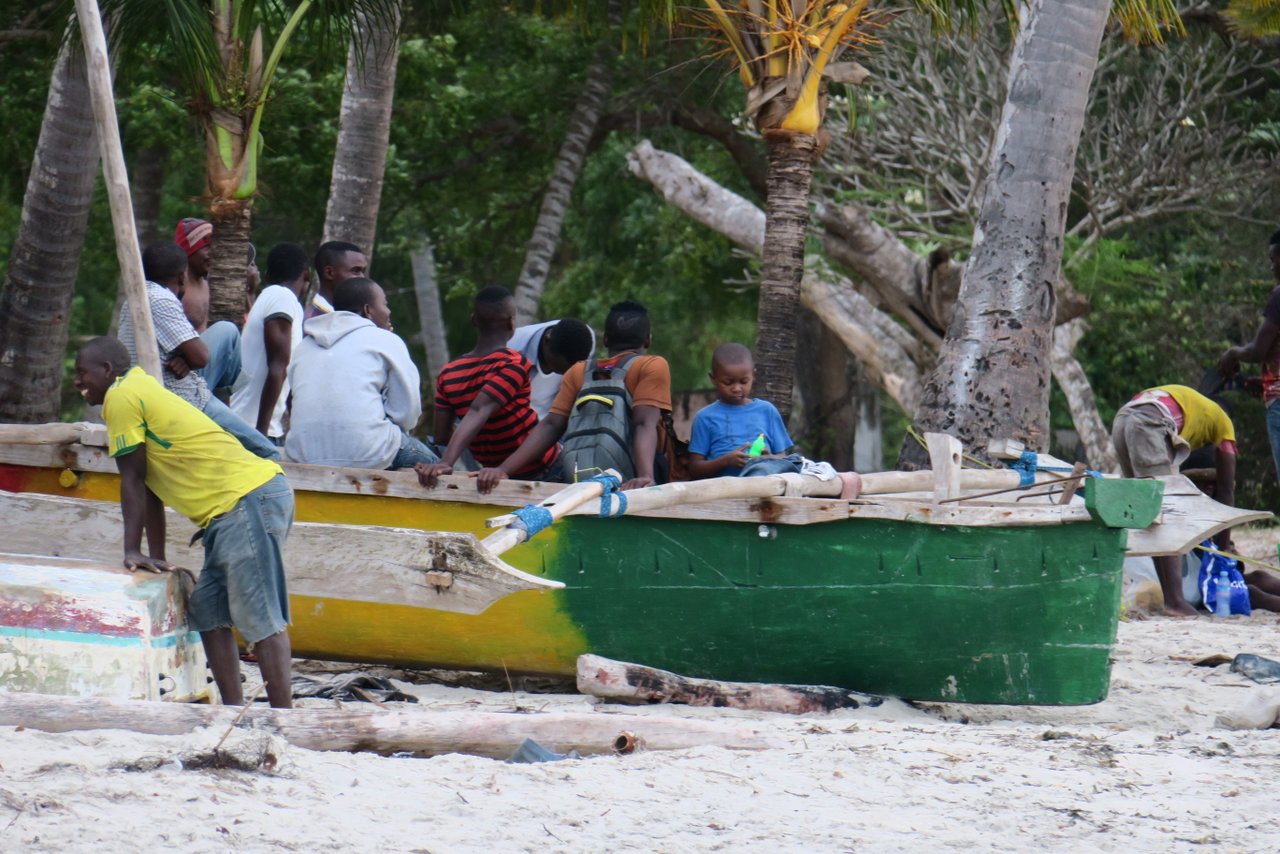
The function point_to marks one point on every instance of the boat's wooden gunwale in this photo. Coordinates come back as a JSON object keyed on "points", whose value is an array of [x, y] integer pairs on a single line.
{"points": [[776, 510]]}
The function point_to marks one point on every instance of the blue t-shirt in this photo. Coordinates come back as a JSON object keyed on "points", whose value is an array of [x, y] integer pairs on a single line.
{"points": [[720, 428]]}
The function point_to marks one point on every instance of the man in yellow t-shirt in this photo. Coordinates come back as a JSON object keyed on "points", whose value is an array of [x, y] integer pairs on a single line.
{"points": [[169, 452], [1153, 433]]}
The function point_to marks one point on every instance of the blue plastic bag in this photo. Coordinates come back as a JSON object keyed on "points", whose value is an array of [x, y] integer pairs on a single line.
{"points": [[1210, 565]]}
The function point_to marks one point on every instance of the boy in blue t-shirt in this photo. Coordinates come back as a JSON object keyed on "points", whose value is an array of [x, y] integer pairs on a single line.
{"points": [[724, 432]]}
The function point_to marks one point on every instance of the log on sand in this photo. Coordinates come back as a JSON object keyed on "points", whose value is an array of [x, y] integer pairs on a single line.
{"points": [[423, 733], [635, 683]]}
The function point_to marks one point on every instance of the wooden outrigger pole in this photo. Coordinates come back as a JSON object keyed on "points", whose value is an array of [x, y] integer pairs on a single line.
{"points": [[98, 68]]}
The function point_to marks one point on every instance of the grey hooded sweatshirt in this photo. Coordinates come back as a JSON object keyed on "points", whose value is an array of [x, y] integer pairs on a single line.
{"points": [[355, 394]]}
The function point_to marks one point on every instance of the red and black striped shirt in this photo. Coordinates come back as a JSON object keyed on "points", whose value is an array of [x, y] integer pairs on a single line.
{"points": [[504, 376]]}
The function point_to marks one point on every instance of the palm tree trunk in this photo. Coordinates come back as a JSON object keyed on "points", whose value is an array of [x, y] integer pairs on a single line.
{"points": [[791, 158], [35, 306], [992, 376], [431, 319], [364, 130], [573, 152], [229, 260]]}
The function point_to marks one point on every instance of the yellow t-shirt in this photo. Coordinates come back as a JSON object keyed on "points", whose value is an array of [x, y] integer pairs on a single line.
{"points": [[193, 465], [1203, 421]]}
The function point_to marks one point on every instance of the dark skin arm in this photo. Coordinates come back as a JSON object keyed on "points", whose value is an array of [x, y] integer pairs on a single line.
{"points": [[546, 434], [700, 466], [277, 336], [644, 427], [141, 509], [482, 409], [191, 354], [1255, 351], [1225, 493]]}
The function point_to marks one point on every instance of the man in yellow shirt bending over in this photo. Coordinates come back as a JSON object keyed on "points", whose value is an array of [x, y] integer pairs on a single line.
{"points": [[1153, 433], [169, 452]]}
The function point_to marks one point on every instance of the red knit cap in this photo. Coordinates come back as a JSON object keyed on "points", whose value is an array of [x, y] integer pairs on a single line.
{"points": [[193, 235]]}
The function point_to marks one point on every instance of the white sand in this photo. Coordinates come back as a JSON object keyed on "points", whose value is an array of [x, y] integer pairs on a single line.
{"points": [[1146, 770]]}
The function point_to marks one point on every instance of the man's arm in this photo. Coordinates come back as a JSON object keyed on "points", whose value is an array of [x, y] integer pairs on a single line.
{"points": [[546, 434], [277, 336], [1225, 487], [445, 417], [644, 444], [482, 409], [191, 354], [140, 508], [1255, 351]]}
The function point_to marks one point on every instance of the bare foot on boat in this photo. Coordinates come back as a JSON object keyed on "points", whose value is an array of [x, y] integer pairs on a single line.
{"points": [[1181, 612]]}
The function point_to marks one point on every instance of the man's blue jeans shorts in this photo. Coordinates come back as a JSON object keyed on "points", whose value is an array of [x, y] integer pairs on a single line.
{"points": [[242, 582]]}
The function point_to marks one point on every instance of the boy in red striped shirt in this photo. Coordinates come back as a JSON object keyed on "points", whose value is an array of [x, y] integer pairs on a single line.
{"points": [[485, 393]]}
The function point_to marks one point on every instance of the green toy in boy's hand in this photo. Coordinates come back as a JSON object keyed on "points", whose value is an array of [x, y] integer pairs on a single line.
{"points": [[758, 447]]}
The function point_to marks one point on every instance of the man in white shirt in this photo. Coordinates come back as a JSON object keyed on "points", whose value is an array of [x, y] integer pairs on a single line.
{"points": [[336, 261], [271, 333], [553, 347]]}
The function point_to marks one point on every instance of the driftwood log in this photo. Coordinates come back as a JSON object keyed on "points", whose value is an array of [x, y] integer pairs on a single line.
{"points": [[423, 733], [635, 683]]}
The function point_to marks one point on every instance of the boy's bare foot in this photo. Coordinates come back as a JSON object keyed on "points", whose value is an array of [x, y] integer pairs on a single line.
{"points": [[1181, 612]]}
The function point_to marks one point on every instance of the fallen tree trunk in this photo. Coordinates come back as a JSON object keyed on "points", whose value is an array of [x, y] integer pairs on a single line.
{"points": [[635, 683], [423, 733]]}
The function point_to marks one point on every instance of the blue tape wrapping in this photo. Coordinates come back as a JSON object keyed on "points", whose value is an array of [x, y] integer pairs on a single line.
{"points": [[1028, 464], [534, 518], [610, 486]]}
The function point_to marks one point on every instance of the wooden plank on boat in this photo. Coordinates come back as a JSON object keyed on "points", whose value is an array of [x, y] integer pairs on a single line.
{"points": [[362, 563], [421, 732], [944, 460], [928, 512], [1188, 517], [57, 433]]}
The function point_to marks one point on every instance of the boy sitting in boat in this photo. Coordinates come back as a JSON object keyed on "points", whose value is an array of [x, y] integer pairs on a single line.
{"points": [[485, 393], [736, 429], [1153, 433], [169, 452], [648, 383]]}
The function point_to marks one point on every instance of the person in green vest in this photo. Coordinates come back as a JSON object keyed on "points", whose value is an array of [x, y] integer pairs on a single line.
{"points": [[1153, 433], [169, 452]]}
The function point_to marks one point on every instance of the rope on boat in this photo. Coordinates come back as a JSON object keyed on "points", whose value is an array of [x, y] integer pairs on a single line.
{"points": [[609, 485], [533, 519], [1028, 464]]}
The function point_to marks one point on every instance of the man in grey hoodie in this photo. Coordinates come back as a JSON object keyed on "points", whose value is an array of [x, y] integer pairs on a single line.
{"points": [[355, 388]]}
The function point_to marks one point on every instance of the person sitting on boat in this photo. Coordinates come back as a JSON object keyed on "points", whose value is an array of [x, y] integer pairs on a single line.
{"points": [[1153, 433], [272, 333], [182, 350], [336, 261], [168, 452], [736, 429], [195, 236], [355, 387], [553, 347], [648, 380], [485, 393]]}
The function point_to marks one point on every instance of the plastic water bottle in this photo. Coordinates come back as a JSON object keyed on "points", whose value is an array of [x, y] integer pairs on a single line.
{"points": [[758, 446], [1222, 594]]}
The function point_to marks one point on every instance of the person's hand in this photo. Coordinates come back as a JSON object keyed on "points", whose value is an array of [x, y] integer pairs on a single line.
{"points": [[1228, 363], [137, 560], [738, 458], [429, 473], [1253, 386], [637, 483], [488, 478], [178, 366]]}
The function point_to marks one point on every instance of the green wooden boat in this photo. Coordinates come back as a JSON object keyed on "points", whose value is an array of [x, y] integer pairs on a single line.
{"points": [[974, 600]]}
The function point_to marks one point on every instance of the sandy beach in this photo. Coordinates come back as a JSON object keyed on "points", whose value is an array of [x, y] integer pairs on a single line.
{"points": [[1148, 770]]}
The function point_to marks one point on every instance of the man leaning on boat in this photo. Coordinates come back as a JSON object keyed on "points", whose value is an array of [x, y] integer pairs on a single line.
{"points": [[169, 452]]}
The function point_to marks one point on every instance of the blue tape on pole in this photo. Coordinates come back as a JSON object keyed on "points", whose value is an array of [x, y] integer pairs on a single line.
{"points": [[534, 518], [610, 486]]}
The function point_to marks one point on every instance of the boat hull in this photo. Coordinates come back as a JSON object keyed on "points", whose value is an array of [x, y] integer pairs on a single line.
{"points": [[920, 611]]}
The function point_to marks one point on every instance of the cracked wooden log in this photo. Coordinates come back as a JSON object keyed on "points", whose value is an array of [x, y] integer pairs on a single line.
{"points": [[622, 682], [377, 730]]}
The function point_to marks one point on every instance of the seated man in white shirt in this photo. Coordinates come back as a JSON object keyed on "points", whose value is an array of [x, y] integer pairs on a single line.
{"points": [[271, 333], [553, 347]]}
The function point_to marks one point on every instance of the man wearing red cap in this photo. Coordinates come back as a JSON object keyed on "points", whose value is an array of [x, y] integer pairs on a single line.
{"points": [[195, 236]]}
